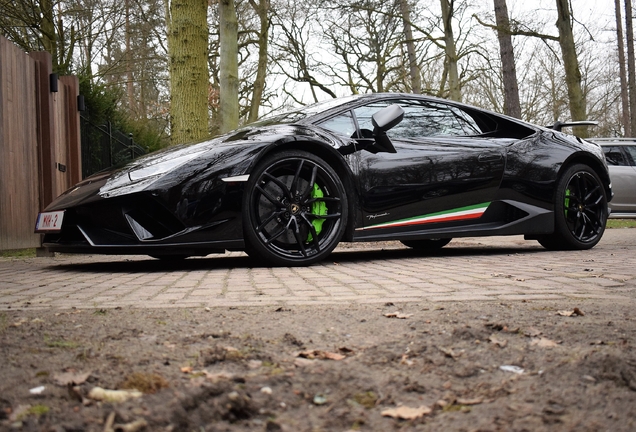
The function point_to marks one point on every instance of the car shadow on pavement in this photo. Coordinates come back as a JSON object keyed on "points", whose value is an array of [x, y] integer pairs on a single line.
{"points": [[152, 265]]}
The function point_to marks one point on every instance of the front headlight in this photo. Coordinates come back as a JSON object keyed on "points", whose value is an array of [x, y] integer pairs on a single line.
{"points": [[159, 167], [146, 171]]}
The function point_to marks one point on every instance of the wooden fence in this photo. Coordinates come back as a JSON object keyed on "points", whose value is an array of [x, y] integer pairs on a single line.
{"points": [[39, 141]]}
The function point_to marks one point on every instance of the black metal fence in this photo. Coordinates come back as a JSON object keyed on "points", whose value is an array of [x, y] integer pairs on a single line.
{"points": [[104, 147]]}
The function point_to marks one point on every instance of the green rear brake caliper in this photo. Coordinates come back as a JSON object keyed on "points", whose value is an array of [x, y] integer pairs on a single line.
{"points": [[567, 201], [318, 208]]}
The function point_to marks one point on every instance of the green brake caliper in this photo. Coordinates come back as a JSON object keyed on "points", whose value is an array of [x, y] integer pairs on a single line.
{"points": [[567, 201], [318, 208]]}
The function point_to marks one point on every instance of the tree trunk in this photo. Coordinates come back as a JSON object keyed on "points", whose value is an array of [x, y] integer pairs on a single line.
{"points": [[188, 50], [451, 51], [622, 72], [49, 35], [571, 66], [262, 9], [228, 31], [631, 69], [130, 89], [512, 107], [414, 70]]}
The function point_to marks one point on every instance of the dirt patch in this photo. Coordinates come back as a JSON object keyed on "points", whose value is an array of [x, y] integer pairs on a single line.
{"points": [[473, 367]]}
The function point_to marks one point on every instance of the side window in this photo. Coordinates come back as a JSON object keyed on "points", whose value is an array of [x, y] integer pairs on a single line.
{"points": [[422, 119], [631, 153], [342, 124], [364, 113], [614, 156]]}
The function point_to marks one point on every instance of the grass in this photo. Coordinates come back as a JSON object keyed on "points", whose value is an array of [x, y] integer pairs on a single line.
{"points": [[18, 253], [60, 343], [621, 223]]}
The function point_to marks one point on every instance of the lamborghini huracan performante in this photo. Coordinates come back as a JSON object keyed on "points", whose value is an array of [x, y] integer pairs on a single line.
{"points": [[375, 167]]}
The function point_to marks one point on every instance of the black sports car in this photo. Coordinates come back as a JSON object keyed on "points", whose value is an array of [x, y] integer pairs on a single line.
{"points": [[362, 168]]}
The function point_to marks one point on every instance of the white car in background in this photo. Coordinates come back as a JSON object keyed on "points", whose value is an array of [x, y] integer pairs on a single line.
{"points": [[621, 160]]}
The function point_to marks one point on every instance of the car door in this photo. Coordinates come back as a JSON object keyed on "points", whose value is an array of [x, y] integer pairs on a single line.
{"points": [[620, 160], [442, 173]]}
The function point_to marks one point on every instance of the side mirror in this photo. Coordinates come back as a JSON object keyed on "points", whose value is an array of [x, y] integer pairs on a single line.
{"points": [[384, 120], [387, 118]]}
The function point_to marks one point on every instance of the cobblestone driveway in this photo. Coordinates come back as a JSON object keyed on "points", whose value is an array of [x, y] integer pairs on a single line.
{"points": [[504, 269]]}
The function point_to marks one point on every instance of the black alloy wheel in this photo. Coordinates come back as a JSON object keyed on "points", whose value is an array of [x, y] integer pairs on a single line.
{"points": [[580, 211], [295, 209]]}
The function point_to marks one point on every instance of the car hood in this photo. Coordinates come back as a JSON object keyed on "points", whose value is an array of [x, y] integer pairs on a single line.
{"points": [[229, 154]]}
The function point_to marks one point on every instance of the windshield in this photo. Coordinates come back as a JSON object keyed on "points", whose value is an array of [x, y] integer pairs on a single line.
{"points": [[299, 114]]}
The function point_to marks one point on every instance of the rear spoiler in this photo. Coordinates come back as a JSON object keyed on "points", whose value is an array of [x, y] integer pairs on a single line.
{"points": [[558, 125]]}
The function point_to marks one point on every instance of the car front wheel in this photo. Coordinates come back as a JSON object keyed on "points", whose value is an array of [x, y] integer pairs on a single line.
{"points": [[295, 209]]}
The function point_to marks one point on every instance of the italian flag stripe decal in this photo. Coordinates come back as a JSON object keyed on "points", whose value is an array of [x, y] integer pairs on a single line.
{"points": [[458, 214]]}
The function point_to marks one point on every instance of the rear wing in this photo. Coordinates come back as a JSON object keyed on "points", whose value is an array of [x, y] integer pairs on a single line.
{"points": [[558, 125]]}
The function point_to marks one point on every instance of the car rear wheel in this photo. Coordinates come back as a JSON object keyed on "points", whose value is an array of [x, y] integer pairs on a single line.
{"points": [[580, 211], [427, 244], [295, 209]]}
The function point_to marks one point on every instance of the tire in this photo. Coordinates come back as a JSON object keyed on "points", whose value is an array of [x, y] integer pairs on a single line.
{"points": [[580, 211], [294, 209], [427, 244]]}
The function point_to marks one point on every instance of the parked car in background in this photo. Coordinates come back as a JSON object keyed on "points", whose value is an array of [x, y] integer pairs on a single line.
{"points": [[621, 159]]}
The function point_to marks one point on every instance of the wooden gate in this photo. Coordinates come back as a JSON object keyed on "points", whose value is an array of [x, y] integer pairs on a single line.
{"points": [[39, 141]]}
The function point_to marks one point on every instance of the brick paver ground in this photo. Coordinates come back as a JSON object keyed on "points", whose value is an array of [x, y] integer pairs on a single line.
{"points": [[499, 268]]}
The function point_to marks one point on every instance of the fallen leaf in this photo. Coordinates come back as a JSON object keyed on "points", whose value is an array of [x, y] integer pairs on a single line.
{"points": [[406, 413], [511, 368], [19, 322], [322, 355], [532, 332], [500, 342], [100, 394], [254, 364], [186, 369], [134, 426], [565, 313], [74, 378], [320, 399], [568, 313], [37, 390], [304, 362], [449, 352], [543, 342], [398, 315], [406, 361]]}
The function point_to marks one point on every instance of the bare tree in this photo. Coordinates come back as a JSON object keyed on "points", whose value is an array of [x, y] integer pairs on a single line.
{"points": [[571, 66], [512, 105], [262, 10], [414, 70], [448, 7], [631, 67], [188, 44], [229, 77], [622, 71]]}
